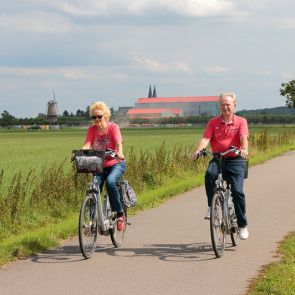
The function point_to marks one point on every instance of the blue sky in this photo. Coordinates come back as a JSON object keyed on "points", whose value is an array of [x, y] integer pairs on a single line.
{"points": [[112, 50]]}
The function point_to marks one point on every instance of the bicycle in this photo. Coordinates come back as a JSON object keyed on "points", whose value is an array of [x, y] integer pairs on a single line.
{"points": [[96, 216], [223, 220]]}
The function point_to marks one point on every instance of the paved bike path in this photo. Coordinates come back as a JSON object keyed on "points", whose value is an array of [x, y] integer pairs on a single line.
{"points": [[168, 249]]}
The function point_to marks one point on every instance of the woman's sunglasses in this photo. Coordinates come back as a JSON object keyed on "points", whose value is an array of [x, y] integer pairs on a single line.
{"points": [[97, 117]]}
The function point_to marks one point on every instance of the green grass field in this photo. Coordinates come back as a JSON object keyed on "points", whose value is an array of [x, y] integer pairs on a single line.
{"points": [[23, 150]]}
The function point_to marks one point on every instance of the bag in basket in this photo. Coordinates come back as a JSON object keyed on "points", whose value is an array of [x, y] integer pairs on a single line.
{"points": [[90, 164]]}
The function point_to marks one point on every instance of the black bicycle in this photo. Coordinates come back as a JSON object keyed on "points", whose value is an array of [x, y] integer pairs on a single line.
{"points": [[223, 220], [96, 216]]}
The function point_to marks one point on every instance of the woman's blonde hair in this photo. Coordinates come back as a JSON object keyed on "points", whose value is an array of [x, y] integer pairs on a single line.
{"points": [[99, 105], [230, 94]]}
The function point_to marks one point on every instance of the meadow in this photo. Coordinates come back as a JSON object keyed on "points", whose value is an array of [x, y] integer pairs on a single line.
{"points": [[23, 150], [26, 150]]}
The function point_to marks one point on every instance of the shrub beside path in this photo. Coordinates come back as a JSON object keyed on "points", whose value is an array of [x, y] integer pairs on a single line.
{"points": [[168, 249]]}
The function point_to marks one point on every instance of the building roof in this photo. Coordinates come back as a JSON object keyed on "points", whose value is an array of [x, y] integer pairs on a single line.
{"points": [[178, 99], [153, 111]]}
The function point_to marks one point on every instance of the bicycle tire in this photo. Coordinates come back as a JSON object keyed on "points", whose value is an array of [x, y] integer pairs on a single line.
{"points": [[88, 226], [117, 236], [217, 224], [234, 235]]}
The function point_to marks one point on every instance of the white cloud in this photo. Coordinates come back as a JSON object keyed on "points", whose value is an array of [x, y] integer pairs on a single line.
{"points": [[158, 67], [216, 70], [266, 73], [57, 16], [59, 73], [288, 76], [111, 8], [285, 23], [34, 22]]}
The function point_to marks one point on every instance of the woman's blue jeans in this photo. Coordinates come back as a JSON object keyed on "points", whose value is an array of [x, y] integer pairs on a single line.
{"points": [[234, 170], [110, 176]]}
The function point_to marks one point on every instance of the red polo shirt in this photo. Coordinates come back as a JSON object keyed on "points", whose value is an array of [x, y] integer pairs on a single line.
{"points": [[223, 135]]}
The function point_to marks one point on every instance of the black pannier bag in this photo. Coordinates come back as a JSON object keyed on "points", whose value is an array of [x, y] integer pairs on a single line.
{"points": [[246, 168], [89, 161], [128, 196]]}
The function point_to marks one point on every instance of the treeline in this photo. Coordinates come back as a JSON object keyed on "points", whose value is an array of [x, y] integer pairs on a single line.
{"points": [[83, 118], [79, 118], [8, 120], [252, 119]]}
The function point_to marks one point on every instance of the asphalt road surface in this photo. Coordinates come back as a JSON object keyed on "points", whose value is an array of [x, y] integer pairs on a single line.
{"points": [[168, 249]]}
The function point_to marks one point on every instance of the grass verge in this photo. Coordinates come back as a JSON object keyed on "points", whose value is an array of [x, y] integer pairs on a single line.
{"points": [[278, 278], [31, 243]]}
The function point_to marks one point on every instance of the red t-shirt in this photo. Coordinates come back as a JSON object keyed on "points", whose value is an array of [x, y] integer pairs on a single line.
{"points": [[223, 135], [109, 139]]}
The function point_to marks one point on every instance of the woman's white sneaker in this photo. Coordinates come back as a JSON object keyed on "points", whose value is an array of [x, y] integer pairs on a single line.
{"points": [[244, 233]]}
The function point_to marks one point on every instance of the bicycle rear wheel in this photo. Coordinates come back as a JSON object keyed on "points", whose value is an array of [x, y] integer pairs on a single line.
{"points": [[217, 224], [88, 226], [117, 236]]}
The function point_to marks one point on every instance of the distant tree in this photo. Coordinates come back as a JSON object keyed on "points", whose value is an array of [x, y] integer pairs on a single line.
{"points": [[80, 113], [86, 113], [65, 113], [288, 90], [7, 119]]}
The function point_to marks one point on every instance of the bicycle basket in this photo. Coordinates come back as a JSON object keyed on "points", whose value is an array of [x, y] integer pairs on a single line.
{"points": [[89, 161]]}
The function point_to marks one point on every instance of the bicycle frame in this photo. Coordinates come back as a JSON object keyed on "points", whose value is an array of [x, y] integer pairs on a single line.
{"points": [[103, 210], [226, 194]]}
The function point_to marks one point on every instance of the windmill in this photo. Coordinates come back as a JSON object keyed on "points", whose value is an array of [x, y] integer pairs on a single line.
{"points": [[52, 112]]}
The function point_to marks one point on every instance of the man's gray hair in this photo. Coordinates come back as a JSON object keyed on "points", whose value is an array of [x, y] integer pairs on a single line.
{"points": [[230, 94]]}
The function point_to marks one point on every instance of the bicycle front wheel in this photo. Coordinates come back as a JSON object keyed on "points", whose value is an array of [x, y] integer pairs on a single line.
{"points": [[217, 224], [234, 235], [88, 226], [117, 236]]}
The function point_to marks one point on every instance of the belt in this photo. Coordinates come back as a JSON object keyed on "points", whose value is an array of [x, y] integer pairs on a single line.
{"points": [[234, 158]]}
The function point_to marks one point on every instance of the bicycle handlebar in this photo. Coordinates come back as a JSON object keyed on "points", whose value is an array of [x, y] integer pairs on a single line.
{"points": [[95, 153], [232, 149]]}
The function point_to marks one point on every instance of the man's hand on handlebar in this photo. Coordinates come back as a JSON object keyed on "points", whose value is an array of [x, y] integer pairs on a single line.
{"points": [[244, 153], [197, 154]]}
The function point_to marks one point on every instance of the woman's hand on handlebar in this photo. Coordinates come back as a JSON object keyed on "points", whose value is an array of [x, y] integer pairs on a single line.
{"points": [[120, 156]]}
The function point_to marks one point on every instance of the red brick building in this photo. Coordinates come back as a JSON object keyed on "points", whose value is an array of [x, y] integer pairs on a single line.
{"points": [[161, 107]]}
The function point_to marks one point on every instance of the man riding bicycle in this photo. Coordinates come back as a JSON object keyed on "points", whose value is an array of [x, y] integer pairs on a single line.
{"points": [[222, 132]]}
